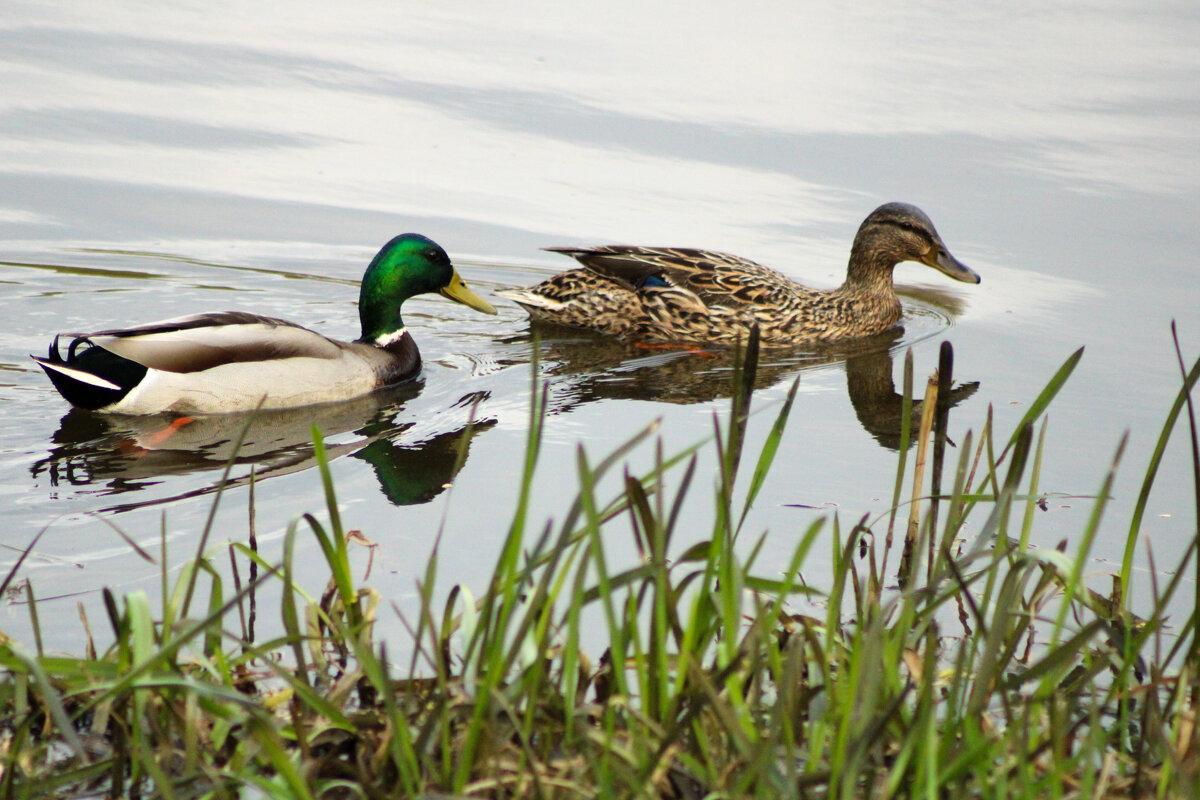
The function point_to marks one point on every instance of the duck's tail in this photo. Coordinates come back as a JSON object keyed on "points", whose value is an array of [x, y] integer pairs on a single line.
{"points": [[93, 378]]}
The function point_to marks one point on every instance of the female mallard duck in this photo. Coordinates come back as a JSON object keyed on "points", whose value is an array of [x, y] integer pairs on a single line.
{"points": [[685, 295], [232, 360]]}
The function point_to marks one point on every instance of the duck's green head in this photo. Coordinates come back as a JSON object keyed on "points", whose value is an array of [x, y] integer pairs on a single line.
{"points": [[408, 265]]}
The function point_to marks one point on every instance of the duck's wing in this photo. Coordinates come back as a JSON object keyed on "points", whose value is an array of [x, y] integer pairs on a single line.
{"points": [[719, 279], [202, 341]]}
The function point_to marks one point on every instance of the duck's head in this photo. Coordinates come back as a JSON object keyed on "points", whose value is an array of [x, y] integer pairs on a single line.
{"points": [[408, 265], [897, 232]]}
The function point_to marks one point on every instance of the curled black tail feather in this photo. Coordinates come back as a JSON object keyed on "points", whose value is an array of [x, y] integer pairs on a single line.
{"points": [[109, 367]]}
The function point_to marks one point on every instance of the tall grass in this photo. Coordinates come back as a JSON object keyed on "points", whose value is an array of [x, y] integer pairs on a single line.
{"points": [[720, 675]]}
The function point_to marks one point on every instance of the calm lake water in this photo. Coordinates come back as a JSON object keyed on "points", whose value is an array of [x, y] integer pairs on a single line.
{"points": [[160, 161]]}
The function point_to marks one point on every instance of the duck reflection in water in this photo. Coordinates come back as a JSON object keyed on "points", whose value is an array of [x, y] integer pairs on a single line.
{"points": [[877, 404], [593, 366], [118, 454]]}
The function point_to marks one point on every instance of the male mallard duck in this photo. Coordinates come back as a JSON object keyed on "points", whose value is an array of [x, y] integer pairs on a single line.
{"points": [[685, 295], [230, 360]]}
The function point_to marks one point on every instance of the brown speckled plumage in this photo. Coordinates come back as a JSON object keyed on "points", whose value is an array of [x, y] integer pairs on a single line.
{"points": [[686, 295]]}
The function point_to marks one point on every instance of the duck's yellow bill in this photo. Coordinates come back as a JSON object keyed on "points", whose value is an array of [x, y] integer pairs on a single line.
{"points": [[458, 292]]}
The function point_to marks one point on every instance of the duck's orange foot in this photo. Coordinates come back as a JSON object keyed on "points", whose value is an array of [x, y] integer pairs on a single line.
{"points": [[690, 348], [158, 437], [139, 447]]}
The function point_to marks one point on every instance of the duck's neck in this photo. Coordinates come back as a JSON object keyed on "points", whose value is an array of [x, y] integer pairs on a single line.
{"points": [[870, 269], [393, 342], [381, 322]]}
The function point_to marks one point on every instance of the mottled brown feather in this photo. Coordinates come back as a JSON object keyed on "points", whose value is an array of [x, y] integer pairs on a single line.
{"points": [[684, 294]]}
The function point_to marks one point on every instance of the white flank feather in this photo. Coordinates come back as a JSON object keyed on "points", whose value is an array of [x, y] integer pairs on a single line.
{"points": [[291, 382]]}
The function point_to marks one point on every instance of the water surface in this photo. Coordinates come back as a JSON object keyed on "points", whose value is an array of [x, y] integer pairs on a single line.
{"points": [[156, 162]]}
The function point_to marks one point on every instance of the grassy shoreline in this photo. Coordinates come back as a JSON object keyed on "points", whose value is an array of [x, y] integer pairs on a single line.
{"points": [[712, 684]]}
